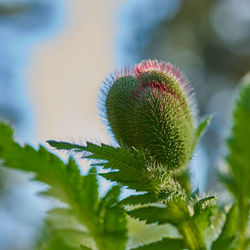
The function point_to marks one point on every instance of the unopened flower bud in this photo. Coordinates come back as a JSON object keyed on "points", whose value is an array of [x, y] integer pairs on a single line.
{"points": [[148, 107]]}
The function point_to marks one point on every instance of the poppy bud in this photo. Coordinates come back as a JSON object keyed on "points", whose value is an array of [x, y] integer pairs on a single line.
{"points": [[149, 107]]}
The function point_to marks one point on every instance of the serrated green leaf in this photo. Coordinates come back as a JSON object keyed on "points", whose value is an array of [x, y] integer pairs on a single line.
{"points": [[53, 239], [238, 143], [152, 214], [129, 165], [140, 233], [114, 220], [64, 218], [139, 199], [202, 220], [79, 192], [131, 168], [134, 181], [203, 211], [175, 212], [228, 233], [204, 203], [166, 243], [110, 197], [89, 200], [55, 243], [238, 159], [60, 145]]}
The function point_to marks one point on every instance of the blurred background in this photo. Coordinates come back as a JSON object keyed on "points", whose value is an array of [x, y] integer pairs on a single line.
{"points": [[54, 55]]}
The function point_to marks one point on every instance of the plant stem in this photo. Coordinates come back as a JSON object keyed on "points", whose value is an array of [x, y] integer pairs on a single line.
{"points": [[243, 221], [192, 235]]}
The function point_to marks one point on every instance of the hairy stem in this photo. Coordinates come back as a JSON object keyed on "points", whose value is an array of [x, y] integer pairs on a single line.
{"points": [[243, 221], [192, 235]]}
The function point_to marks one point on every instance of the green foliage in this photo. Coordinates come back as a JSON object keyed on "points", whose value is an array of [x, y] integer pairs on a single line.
{"points": [[229, 230], [190, 222], [164, 201], [175, 212], [140, 233], [136, 171], [238, 159], [52, 239], [166, 243], [103, 219]]}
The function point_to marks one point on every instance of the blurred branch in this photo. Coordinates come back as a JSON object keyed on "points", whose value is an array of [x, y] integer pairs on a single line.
{"points": [[13, 9]]}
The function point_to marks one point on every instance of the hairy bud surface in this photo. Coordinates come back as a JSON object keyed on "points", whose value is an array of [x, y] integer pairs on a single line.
{"points": [[149, 107]]}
